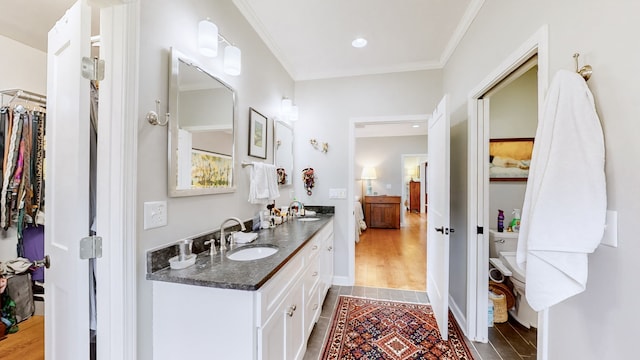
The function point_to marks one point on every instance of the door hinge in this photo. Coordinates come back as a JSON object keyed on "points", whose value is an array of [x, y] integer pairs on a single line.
{"points": [[92, 68], [480, 230], [91, 247]]}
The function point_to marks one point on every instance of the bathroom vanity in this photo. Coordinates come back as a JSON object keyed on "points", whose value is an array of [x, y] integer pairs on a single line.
{"points": [[257, 309]]}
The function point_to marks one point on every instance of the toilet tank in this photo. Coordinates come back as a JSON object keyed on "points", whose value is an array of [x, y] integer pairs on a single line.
{"points": [[502, 241]]}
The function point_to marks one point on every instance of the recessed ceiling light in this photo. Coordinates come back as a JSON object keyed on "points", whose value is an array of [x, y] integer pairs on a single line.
{"points": [[359, 42], [415, 125]]}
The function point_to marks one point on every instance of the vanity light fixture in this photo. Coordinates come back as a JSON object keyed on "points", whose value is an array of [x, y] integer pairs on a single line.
{"points": [[286, 106], [289, 111], [208, 39], [232, 63]]}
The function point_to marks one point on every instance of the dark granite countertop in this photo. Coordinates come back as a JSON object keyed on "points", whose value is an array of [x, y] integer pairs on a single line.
{"points": [[220, 272]]}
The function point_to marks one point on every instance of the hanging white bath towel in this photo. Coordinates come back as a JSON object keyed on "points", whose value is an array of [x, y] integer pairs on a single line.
{"points": [[565, 202], [263, 185]]}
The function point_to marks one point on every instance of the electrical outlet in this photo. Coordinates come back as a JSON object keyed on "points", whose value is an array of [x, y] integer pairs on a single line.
{"points": [[155, 214]]}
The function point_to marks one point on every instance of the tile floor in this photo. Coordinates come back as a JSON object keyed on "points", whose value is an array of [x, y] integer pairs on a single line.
{"points": [[501, 345]]}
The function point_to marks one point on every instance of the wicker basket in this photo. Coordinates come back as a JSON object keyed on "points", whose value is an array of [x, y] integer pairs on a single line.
{"points": [[500, 313]]}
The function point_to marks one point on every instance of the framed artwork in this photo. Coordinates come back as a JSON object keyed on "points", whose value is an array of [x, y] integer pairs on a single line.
{"points": [[210, 170], [509, 159], [257, 134]]}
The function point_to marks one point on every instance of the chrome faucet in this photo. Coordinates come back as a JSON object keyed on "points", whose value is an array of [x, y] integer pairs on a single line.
{"points": [[223, 246], [300, 208]]}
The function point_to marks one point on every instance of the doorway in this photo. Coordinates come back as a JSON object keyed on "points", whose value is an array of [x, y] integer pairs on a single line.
{"points": [[479, 189], [388, 179]]}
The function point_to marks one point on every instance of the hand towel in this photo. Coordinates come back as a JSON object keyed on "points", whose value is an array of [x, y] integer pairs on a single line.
{"points": [[565, 201], [244, 238], [263, 186]]}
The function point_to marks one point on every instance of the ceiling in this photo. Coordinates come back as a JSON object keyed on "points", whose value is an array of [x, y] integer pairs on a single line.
{"points": [[312, 39]]}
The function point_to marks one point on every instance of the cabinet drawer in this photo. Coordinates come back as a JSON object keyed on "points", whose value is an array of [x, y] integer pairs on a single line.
{"points": [[312, 277], [312, 310], [312, 249], [270, 295]]}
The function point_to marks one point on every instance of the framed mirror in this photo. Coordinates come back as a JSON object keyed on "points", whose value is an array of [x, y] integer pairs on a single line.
{"points": [[201, 130], [283, 152]]}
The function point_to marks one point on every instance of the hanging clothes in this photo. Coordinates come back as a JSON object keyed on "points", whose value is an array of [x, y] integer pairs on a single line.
{"points": [[21, 174]]}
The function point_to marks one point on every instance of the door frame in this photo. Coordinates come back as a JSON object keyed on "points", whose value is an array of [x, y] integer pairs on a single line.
{"points": [[116, 181], [405, 192], [477, 202], [350, 279]]}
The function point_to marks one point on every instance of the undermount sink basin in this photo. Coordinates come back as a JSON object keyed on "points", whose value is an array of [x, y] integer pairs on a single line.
{"points": [[252, 253], [308, 219]]}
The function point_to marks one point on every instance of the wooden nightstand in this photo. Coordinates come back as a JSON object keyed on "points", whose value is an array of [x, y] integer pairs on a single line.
{"points": [[382, 211]]}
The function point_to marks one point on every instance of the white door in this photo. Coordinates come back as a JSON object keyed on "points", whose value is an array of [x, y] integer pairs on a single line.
{"points": [[438, 216], [67, 187]]}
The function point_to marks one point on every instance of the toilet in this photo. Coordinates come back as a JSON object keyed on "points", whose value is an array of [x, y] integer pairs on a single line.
{"points": [[502, 255]]}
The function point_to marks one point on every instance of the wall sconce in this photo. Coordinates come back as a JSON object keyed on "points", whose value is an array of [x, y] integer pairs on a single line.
{"points": [[208, 39], [369, 173], [289, 111]]}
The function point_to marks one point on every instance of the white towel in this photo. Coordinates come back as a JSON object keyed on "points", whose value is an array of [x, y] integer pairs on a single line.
{"points": [[263, 186], [244, 238], [565, 202]]}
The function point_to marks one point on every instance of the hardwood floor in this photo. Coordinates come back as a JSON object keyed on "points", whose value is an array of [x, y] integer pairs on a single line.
{"points": [[394, 258], [27, 343]]}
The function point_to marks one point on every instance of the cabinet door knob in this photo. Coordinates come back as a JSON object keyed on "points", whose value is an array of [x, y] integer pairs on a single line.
{"points": [[315, 273], [291, 310], [315, 247], [330, 248]]}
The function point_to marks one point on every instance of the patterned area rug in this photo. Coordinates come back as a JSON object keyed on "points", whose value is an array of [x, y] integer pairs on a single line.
{"points": [[380, 329]]}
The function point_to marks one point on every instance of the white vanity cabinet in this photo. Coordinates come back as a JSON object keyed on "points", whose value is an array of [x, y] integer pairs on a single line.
{"points": [[271, 323]]}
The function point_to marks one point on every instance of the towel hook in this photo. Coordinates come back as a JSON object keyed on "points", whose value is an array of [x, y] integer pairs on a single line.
{"points": [[584, 71]]}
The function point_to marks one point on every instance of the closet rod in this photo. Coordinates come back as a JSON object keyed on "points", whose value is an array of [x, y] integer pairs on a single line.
{"points": [[25, 95]]}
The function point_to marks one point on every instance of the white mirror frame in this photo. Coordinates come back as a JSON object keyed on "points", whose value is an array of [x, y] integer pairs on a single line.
{"points": [[174, 191], [279, 127]]}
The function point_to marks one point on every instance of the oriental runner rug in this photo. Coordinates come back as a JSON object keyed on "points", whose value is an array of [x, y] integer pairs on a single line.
{"points": [[381, 329]]}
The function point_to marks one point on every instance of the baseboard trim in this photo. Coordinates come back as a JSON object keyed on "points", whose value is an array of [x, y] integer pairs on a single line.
{"points": [[342, 281], [458, 315]]}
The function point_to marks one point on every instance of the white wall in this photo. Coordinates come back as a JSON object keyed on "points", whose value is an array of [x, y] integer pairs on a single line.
{"points": [[25, 68], [385, 154], [325, 109], [513, 114], [261, 85], [601, 322]]}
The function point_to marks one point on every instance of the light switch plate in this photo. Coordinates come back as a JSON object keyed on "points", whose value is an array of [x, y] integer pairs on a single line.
{"points": [[155, 214], [610, 237], [337, 193]]}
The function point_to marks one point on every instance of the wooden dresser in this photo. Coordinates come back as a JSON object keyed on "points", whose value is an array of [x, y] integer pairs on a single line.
{"points": [[382, 211], [414, 196]]}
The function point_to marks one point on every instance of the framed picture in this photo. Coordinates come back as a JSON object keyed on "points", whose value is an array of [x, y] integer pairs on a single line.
{"points": [[509, 159], [210, 170], [257, 134]]}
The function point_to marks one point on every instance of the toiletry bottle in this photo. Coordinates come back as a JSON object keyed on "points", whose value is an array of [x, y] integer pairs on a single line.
{"points": [[500, 221], [515, 222]]}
